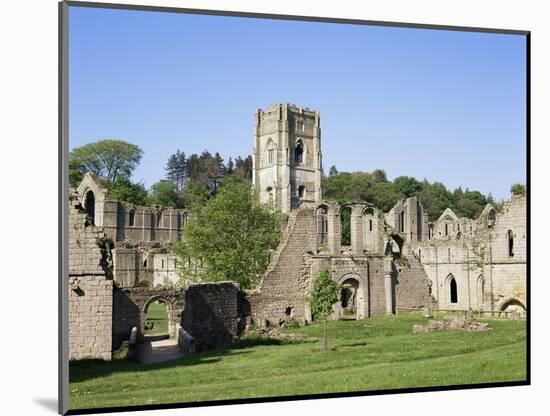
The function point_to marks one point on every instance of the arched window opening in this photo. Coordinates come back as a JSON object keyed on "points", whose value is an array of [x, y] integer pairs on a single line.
{"points": [[89, 206], [480, 290], [270, 152], [131, 218], [345, 227], [419, 254], [159, 218], [301, 192], [322, 225], [299, 152], [370, 225], [453, 290], [449, 255], [446, 229], [348, 297], [162, 263], [510, 243], [402, 222]]}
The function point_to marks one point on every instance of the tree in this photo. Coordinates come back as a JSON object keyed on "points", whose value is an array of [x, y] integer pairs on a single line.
{"points": [[230, 168], [232, 234], [407, 185], [332, 171], [379, 175], [108, 159], [164, 193], [124, 190], [323, 297], [243, 167], [517, 189], [195, 196], [435, 198], [176, 170]]}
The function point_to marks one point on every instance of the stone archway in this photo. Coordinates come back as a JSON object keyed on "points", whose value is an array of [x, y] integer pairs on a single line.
{"points": [[351, 300], [148, 320], [513, 305]]}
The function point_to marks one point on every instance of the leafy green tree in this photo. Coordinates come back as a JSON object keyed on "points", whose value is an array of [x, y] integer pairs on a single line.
{"points": [[407, 186], [125, 190], [435, 198], [77, 170], [383, 195], [233, 234], [195, 196], [108, 159], [517, 189], [323, 296], [471, 204], [332, 171], [164, 193], [379, 175]]}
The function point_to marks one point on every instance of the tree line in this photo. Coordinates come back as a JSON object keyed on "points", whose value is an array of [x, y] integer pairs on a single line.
{"points": [[374, 187], [190, 180]]}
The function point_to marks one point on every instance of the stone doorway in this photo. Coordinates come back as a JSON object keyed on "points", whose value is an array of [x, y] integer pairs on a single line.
{"points": [[349, 299]]}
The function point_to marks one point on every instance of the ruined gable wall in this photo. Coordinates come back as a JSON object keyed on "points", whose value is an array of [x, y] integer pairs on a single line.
{"points": [[90, 291], [287, 281], [412, 285]]}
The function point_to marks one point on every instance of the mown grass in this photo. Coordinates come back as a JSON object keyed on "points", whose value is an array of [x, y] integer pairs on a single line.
{"points": [[373, 354], [158, 317]]}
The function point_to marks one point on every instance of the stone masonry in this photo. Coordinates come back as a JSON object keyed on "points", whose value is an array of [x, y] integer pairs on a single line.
{"points": [[90, 289]]}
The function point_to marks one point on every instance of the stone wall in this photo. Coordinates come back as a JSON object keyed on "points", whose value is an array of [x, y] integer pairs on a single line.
{"points": [[211, 313], [287, 282], [90, 288], [130, 307], [412, 285], [487, 277]]}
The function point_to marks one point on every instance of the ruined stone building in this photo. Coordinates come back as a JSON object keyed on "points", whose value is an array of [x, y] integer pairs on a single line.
{"points": [[120, 258]]}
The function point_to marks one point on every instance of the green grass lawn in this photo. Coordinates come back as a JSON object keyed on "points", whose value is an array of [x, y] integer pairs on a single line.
{"points": [[157, 315], [372, 354]]}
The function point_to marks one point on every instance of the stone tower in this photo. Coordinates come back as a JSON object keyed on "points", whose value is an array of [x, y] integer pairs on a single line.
{"points": [[287, 159]]}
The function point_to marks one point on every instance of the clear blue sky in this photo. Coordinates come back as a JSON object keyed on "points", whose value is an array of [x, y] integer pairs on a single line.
{"points": [[446, 106]]}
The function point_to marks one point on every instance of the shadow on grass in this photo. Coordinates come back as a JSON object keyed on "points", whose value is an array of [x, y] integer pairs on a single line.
{"points": [[84, 370], [89, 369]]}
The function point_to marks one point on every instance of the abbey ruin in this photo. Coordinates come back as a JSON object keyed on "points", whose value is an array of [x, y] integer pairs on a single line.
{"points": [[120, 259]]}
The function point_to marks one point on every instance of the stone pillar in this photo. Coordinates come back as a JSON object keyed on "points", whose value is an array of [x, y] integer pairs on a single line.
{"points": [[357, 228], [333, 231], [388, 285]]}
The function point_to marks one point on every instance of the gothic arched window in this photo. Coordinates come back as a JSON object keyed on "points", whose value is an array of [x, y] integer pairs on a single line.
{"points": [[299, 152], [453, 290], [89, 205]]}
